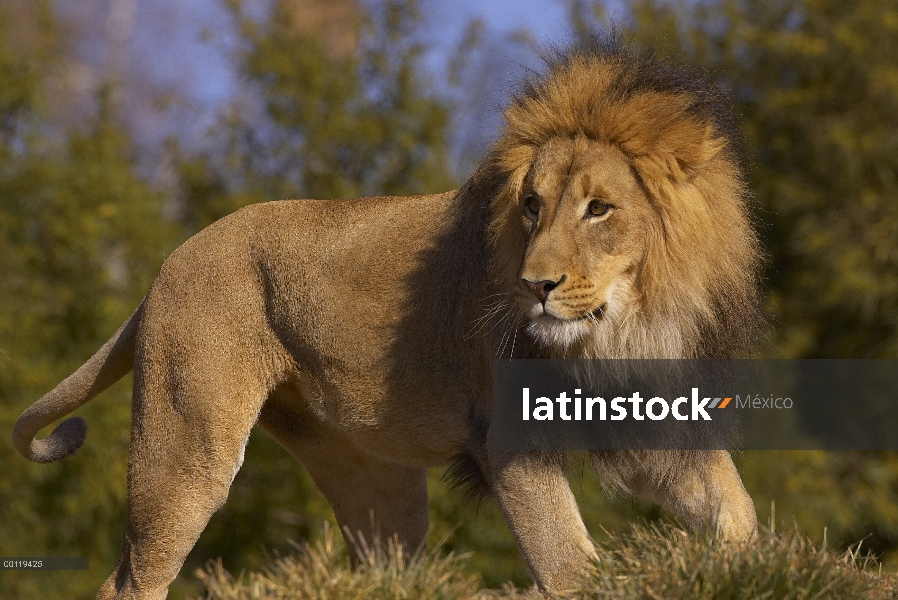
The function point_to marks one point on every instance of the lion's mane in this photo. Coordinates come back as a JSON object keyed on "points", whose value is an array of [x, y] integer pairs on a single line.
{"points": [[698, 283]]}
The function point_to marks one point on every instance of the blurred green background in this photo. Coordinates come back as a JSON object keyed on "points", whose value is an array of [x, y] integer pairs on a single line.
{"points": [[97, 186]]}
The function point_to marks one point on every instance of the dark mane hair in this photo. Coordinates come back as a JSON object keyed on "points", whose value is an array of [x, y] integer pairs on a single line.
{"points": [[641, 70]]}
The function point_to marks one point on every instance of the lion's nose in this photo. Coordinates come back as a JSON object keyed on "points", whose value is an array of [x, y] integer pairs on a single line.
{"points": [[542, 288]]}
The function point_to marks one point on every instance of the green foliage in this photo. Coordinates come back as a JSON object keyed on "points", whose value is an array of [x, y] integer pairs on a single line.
{"points": [[82, 236], [648, 562], [21, 75], [312, 123]]}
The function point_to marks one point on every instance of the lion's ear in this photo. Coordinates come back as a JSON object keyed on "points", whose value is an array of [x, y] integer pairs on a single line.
{"points": [[676, 159], [667, 146]]}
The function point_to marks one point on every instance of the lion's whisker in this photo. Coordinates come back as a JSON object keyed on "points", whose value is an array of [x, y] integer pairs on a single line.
{"points": [[512, 324], [483, 321], [514, 338], [501, 309]]}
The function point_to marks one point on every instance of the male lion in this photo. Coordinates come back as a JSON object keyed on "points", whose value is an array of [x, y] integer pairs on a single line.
{"points": [[609, 220]]}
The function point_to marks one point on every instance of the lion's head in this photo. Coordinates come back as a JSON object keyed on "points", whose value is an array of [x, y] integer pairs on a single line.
{"points": [[622, 224]]}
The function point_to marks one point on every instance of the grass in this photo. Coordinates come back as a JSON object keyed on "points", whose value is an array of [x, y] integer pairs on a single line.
{"points": [[651, 562]]}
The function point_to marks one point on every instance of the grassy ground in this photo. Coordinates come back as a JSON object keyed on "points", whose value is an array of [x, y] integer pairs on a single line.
{"points": [[651, 562]]}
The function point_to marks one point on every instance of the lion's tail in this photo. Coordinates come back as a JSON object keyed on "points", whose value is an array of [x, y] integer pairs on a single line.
{"points": [[111, 362]]}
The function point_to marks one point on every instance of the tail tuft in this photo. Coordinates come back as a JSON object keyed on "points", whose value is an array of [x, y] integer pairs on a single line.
{"points": [[64, 441], [109, 364]]}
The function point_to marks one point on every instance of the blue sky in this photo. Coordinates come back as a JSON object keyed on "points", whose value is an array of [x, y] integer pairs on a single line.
{"points": [[183, 47], [546, 19], [203, 68], [179, 46]]}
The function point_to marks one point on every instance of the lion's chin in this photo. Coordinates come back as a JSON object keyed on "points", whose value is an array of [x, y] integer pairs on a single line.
{"points": [[558, 333]]}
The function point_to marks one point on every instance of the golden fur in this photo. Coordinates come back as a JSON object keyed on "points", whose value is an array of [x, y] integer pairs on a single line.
{"points": [[609, 220]]}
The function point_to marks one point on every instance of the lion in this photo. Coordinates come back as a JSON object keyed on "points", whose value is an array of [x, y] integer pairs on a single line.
{"points": [[609, 220]]}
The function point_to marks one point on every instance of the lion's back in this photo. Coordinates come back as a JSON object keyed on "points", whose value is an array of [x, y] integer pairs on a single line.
{"points": [[329, 281]]}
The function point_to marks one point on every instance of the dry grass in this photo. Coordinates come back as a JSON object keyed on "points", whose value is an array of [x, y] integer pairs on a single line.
{"points": [[322, 572], [650, 562]]}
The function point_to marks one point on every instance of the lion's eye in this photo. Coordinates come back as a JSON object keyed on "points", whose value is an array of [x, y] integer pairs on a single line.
{"points": [[598, 208], [531, 206]]}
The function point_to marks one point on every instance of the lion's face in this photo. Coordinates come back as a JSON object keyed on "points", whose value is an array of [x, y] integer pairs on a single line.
{"points": [[588, 221], [619, 225]]}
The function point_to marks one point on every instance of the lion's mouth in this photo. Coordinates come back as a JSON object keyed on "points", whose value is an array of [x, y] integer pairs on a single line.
{"points": [[595, 314]]}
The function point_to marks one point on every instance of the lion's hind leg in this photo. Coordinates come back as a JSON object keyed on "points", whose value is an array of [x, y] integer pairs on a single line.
{"points": [[188, 435], [374, 500]]}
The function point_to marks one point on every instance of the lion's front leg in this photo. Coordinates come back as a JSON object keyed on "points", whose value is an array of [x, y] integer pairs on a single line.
{"points": [[702, 487], [533, 492]]}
